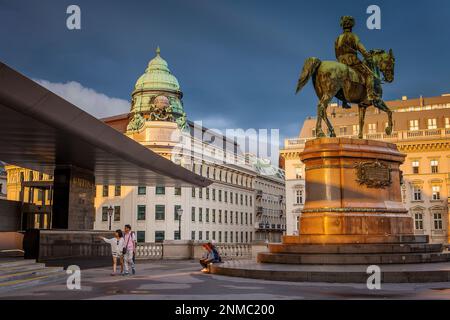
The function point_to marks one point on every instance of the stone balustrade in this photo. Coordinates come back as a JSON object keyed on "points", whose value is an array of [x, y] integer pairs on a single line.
{"points": [[149, 251], [186, 249]]}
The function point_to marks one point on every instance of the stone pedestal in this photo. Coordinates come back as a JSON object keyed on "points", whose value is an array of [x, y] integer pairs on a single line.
{"points": [[353, 212], [352, 193]]}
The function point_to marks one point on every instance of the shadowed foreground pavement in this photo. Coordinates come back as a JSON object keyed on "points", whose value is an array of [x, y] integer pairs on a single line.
{"points": [[183, 280]]}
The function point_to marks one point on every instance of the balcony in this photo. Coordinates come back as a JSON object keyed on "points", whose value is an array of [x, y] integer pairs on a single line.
{"points": [[259, 210], [396, 136], [259, 194]]}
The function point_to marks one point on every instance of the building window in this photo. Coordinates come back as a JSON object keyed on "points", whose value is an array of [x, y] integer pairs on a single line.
{"points": [[246, 200], [207, 193], [193, 192], [214, 215], [214, 194], [220, 195], [437, 217], [200, 235], [141, 212], [177, 191], [105, 191], [343, 131], [140, 236], [193, 214], [415, 166], [207, 235], [436, 193], [142, 190], [104, 213], [160, 190], [175, 211], [355, 130], [418, 220], [447, 123], [231, 236], [159, 236], [207, 214], [251, 201], [200, 193], [220, 236], [242, 218], [251, 218], [246, 218], [176, 235], [413, 125], [220, 216], [226, 236], [231, 217], [117, 191], [432, 124], [214, 235], [372, 128], [200, 214], [117, 213], [226, 216], [242, 200], [192, 235], [434, 166], [299, 196], [160, 212], [226, 196], [417, 193]]}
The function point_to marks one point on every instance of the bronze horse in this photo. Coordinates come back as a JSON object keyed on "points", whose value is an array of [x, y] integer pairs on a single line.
{"points": [[334, 79]]}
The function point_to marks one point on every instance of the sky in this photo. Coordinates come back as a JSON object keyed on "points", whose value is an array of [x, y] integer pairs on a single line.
{"points": [[237, 61]]}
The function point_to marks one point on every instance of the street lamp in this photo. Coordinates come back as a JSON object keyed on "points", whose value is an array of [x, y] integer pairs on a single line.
{"points": [[179, 213], [110, 213]]}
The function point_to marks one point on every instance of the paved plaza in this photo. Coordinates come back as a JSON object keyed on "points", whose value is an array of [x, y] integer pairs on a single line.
{"points": [[182, 280]]}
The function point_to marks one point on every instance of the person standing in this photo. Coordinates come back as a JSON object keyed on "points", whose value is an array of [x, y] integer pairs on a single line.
{"points": [[129, 250], [116, 249]]}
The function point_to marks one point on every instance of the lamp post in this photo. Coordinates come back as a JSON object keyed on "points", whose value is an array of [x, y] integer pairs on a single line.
{"points": [[179, 213], [110, 213]]}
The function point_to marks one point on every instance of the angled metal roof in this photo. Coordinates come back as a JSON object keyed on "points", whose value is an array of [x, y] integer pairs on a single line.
{"points": [[39, 130]]}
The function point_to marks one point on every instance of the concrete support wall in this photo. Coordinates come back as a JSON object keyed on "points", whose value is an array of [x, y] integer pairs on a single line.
{"points": [[9, 215]]}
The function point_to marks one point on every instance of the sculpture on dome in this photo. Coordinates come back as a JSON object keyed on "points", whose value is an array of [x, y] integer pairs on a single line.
{"points": [[349, 80], [160, 109], [136, 122]]}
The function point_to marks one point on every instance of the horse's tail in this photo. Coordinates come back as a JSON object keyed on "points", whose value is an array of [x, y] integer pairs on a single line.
{"points": [[309, 68]]}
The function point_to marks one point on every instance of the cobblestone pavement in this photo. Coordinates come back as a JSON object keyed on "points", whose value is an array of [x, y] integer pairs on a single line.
{"points": [[182, 280]]}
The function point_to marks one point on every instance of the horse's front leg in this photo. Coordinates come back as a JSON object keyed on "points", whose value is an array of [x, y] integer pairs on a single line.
{"points": [[379, 103], [362, 115]]}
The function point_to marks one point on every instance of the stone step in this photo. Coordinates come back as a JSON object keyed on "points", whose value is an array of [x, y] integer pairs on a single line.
{"points": [[348, 259], [26, 282], [354, 239], [30, 273], [14, 269], [6, 263], [355, 248], [409, 273]]}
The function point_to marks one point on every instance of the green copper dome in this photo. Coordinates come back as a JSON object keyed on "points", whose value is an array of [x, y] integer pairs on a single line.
{"points": [[156, 96], [157, 76]]}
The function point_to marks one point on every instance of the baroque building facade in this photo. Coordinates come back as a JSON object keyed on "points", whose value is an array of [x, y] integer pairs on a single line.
{"points": [[225, 212], [421, 131]]}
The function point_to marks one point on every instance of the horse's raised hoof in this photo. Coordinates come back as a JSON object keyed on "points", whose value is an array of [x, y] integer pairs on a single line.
{"points": [[388, 131]]}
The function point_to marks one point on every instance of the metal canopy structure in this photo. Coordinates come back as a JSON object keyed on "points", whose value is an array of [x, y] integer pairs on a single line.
{"points": [[40, 130]]}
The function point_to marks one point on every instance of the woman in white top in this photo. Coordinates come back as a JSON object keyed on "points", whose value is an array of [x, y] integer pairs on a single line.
{"points": [[116, 249]]}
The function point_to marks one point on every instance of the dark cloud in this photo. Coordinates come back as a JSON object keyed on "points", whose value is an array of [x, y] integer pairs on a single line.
{"points": [[234, 59]]}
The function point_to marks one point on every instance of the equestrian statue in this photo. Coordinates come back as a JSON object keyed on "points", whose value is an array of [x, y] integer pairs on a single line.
{"points": [[349, 79]]}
